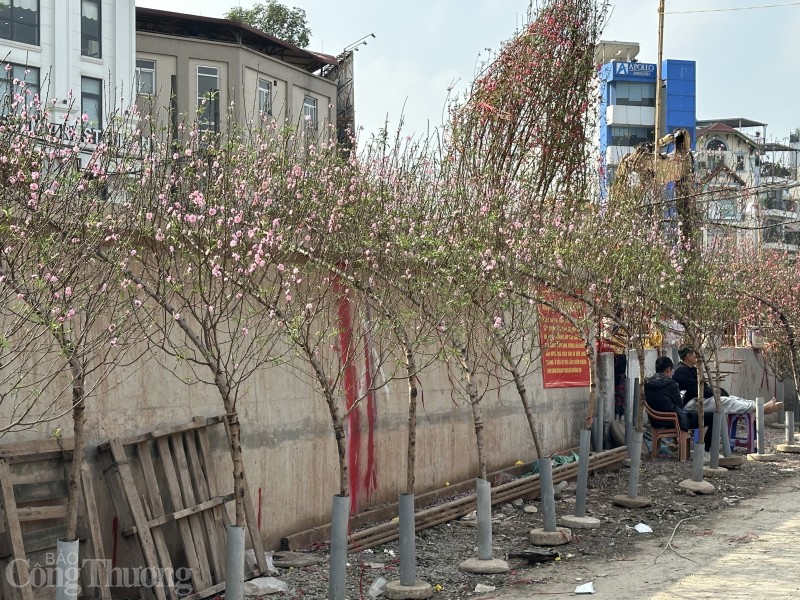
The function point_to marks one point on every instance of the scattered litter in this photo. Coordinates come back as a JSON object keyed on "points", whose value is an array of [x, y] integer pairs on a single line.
{"points": [[250, 561], [534, 556], [483, 589], [531, 509], [586, 588], [471, 516], [263, 586], [376, 565], [642, 528], [750, 536], [389, 552], [377, 588], [557, 461]]}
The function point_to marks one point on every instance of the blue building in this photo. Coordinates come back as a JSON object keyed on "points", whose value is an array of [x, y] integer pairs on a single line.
{"points": [[628, 100]]}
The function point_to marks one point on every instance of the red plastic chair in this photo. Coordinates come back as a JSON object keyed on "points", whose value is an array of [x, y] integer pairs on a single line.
{"points": [[658, 433]]}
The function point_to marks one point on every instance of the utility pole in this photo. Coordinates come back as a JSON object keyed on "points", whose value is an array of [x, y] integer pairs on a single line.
{"points": [[658, 81]]}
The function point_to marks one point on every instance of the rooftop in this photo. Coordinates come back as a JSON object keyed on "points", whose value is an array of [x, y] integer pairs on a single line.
{"points": [[735, 122], [606, 51], [151, 20]]}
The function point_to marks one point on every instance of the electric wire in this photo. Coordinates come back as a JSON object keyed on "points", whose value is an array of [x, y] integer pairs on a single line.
{"points": [[731, 9]]}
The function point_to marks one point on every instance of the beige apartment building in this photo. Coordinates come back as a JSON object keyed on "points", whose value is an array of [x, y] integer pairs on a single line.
{"points": [[189, 65]]}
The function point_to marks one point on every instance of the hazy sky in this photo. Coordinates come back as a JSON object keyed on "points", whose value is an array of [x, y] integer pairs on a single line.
{"points": [[748, 61]]}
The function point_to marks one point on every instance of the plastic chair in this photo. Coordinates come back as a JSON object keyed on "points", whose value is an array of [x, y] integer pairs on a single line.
{"points": [[658, 433], [748, 441]]}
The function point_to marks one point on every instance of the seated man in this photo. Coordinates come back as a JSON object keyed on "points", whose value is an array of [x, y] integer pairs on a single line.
{"points": [[661, 393], [686, 376]]}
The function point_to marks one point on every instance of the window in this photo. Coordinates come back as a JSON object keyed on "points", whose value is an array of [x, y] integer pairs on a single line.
{"points": [[630, 136], [635, 94], [310, 111], [208, 98], [145, 77], [264, 97], [773, 232], [773, 200], [92, 102], [90, 28], [716, 144], [27, 79], [723, 209], [19, 21]]}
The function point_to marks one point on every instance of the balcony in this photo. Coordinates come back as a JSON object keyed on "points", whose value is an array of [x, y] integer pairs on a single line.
{"points": [[781, 247]]}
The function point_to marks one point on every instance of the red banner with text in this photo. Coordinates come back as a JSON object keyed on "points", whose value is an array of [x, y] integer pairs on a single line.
{"points": [[564, 362]]}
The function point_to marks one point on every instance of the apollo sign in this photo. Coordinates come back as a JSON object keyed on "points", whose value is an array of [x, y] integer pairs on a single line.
{"points": [[635, 69]]}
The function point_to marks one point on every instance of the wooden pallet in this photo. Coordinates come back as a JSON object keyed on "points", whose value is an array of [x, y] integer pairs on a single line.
{"points": [[33, 491], [164, 488]]}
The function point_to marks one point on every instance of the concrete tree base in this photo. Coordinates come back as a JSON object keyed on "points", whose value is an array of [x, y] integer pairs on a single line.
{"points": [[395, 591], [788, 448], [698, 487], [559, 537], [718, 472], [574, 522], [763, 457], [730, 462], [626, 501], [493, 566]]}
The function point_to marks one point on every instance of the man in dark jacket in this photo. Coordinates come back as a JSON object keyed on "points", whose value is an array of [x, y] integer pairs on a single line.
{"points": [[661, 392], [686, 376]]}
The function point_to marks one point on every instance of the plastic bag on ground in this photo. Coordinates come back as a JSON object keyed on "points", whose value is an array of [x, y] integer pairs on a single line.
{"points": [[377, 588]]}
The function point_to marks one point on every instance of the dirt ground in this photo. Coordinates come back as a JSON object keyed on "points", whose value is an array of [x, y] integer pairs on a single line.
{"points": [[593, 555]]}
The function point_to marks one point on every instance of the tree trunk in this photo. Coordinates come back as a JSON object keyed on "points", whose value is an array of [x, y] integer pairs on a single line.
{"points": [[238, 463], [235, 431], [78, 420], [640, 408], [411, 456], [341, 447], [336, 420], [519, 382], [718, 383], [700, 394], [475, 403], [591, 408], [526, 404]]}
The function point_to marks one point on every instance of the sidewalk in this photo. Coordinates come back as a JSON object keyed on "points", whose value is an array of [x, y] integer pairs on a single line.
{"points": [[750, 551]]}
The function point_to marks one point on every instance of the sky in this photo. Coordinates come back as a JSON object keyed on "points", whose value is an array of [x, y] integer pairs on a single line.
{"points": [[748, 61]]}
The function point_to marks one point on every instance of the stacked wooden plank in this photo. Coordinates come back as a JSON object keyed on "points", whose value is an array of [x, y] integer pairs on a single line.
{"points": [[172, 511], [33, 493]]}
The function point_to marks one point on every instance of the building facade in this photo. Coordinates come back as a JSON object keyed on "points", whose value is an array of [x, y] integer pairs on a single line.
{"points": [[190, 66], [78, 52], [628, 103], [751, 185]]}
